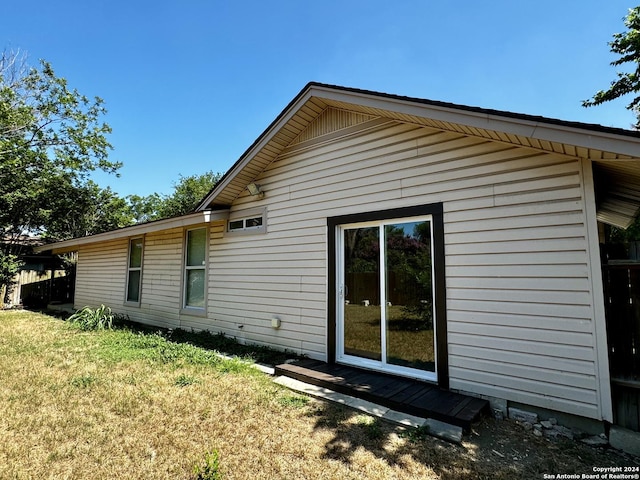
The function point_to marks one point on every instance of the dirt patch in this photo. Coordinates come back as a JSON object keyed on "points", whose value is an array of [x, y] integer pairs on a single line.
{"points": [[494, 449], [503, 447]]}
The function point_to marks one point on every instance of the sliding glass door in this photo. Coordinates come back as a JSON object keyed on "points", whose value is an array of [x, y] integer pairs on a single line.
{"points": [[385, 311]]}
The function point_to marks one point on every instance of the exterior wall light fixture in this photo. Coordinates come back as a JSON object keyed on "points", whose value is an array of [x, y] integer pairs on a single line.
{"points": [[254, 190]]}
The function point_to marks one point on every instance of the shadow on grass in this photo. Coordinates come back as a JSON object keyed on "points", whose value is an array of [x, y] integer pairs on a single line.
{"points": [[217, 342], [497, 450], [397, 447]]}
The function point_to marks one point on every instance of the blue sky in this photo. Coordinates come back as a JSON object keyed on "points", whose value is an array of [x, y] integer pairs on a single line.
{"points": [[190, 85]]}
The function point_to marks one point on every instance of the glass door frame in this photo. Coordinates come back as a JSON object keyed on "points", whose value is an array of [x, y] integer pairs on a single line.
{"points": [[383, 364], [335, 342]]}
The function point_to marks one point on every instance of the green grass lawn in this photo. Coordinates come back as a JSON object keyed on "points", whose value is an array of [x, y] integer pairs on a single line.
{"points": [[122, 403]]}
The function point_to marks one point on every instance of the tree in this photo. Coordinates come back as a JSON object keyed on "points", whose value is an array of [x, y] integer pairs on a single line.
{"points": [[144, 209], [627, 45], [187, 193], [84, 210], [51, 138]]}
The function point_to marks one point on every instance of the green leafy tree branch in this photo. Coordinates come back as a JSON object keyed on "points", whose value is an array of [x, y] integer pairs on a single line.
{"points": [[51, 139], [627, 46]]}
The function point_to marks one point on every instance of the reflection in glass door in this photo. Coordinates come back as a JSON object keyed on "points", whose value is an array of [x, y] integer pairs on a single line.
{"points": [[362, 311], [409, 296], [386, 314]]}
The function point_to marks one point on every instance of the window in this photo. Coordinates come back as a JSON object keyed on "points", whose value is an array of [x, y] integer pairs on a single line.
{"points": [[253, 223], [195, 268], [134, 270], [249, 223]]}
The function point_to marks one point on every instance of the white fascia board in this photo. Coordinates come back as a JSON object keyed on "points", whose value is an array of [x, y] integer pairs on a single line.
{"points": [[602, 141], [432, 112], [137, 230]]}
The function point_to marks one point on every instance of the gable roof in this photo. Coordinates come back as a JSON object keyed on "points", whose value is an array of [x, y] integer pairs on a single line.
{"points": [[614, 151]]}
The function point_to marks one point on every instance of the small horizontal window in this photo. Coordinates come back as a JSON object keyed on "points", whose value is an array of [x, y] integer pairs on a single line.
{"points": [[236, 225], [253, 223]]}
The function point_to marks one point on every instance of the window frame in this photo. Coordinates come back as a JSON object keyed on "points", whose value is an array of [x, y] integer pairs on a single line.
{"points": [[134, 303], [247, 215], [436, 211], [194, 309]]}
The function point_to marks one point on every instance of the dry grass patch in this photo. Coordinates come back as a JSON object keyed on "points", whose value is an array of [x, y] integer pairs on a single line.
{"points": [[121, 404]]}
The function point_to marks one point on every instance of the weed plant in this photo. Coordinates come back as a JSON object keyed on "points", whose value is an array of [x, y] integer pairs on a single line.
{"points": [[88, 318], [209, 468], [292, 400], [184, 380]]}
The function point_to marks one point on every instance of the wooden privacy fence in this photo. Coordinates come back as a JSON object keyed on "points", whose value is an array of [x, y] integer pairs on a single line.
{"points": [[26, 277], [45, 288], [401, 289], [622, 304]]}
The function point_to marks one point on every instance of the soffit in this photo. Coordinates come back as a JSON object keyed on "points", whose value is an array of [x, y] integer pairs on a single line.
{"points": [[617, 185], [530, 134], [256, 160], [565, 138], [616, 175]]}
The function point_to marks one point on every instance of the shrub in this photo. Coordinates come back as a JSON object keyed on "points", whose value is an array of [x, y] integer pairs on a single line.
{"points": [[90, 319]]}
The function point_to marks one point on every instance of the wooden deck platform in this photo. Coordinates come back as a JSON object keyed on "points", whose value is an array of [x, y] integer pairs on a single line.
{"points": [[401, 394]]}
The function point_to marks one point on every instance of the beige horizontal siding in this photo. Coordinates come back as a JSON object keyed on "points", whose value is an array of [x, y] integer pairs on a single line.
{"points": [[161, 293], [518, 293], [101, 274], [518, 286]]}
